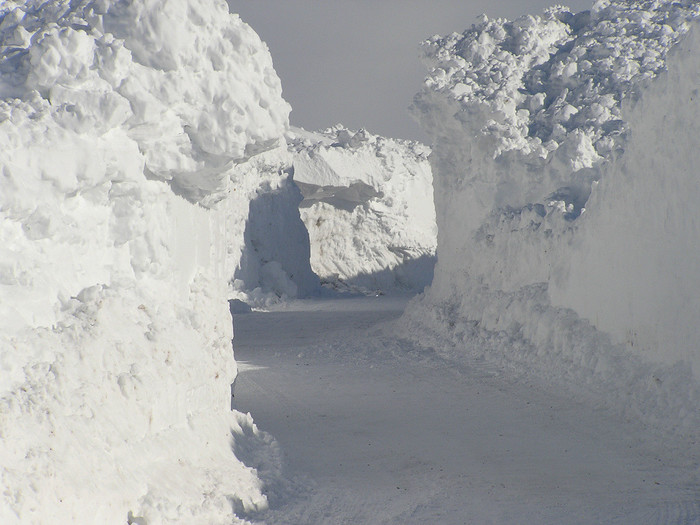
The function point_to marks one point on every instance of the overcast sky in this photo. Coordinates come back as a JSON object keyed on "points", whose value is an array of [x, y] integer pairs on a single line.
{"points": [[356, 62]]}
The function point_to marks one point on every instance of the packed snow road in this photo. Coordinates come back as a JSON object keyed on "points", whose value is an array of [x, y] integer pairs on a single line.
{"points": [[374, 430]]}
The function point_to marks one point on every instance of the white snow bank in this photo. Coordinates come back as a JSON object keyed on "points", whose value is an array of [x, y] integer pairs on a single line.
{"points": [[368, 208], [122, 125], [565, 161], [271, 254]]}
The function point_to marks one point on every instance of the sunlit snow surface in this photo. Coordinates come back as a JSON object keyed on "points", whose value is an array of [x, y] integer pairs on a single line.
{"points": [[125, 131], [565, 161], [139, 137], [368, 208]]}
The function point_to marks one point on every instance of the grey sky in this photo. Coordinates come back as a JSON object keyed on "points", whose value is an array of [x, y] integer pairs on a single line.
{"points": [[356, 62]]}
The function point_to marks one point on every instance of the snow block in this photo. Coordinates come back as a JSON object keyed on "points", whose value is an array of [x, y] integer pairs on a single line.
{"points": [[274, 262], [565, 160], [368, 208], [123, 125]]}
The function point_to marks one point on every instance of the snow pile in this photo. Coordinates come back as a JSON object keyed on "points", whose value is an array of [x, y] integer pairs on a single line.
{"points": [[126, 127], [271, 253], [565, 159], [368, 208]]}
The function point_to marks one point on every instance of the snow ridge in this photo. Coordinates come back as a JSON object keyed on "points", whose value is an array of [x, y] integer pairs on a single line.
{"points": [[565, 168], [541, 83], [272, 255], [368, 208], [126, 129]]}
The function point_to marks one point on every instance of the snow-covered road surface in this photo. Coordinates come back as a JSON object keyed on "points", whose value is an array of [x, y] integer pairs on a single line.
{"points": [[374, 430]]}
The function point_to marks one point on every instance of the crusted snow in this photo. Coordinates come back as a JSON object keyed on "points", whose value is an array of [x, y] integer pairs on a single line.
{"points": [[368, 208], [126, 129], [145, 178], [565, 161], [273, 250]]}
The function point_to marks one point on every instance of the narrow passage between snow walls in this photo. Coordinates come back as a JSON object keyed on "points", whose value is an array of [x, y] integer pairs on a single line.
{"points": [[565, 297], [374, 429]]}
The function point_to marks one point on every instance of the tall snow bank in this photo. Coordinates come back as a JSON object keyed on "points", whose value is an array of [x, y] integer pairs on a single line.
{"points": [[368, 208], [122, 125], [635, 269], [271, 254], [565, 167]]}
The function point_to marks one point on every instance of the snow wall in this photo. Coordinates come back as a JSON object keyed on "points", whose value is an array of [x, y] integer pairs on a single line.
{"points": [[272, 257], [566, 161], [368, 208], [132, 134]]}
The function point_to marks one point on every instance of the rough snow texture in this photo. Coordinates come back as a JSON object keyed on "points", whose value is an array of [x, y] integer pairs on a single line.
{"points": [[271, 253], [124, 127], [566, 166], [368, 208]]}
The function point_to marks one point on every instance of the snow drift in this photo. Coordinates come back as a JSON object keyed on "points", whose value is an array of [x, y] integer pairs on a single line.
{"points": [[566, 165], [270, 252], [129, 131], [368, 208]]}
